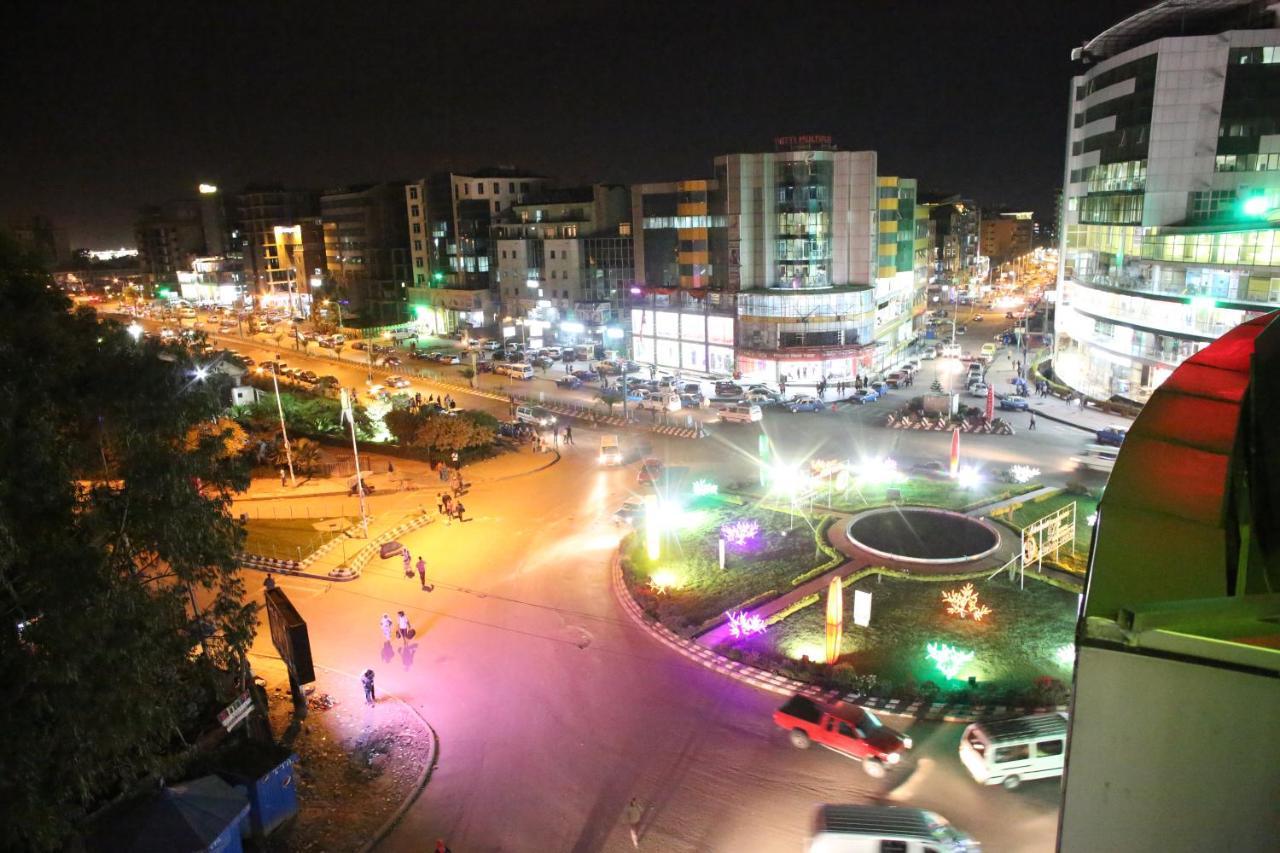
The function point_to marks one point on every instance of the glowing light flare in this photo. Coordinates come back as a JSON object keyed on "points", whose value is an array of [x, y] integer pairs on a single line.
{"points": [[1065, 656], [787, 480], [663, 580], [744, 624], [877, 471], [968, 478], [703, 488], [949, 660], [134, 330], [1092, 519]]}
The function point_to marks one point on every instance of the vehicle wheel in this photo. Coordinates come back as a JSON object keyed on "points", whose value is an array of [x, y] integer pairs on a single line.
{"points": [[799, 739], [874, 768], [1011, 782]]}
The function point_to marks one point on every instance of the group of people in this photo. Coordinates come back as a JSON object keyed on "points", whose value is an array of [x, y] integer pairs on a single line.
{"points": [[450, 507]]}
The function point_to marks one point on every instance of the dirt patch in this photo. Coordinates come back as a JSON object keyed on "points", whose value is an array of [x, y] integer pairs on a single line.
{"points": [[358, 762]]}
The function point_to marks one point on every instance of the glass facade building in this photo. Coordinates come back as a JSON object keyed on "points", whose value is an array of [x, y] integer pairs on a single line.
{"points": [[1171, 193]]}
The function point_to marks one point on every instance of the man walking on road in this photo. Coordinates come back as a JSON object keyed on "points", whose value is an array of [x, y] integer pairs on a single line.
{"points": [[459, 509], [422, 572], [386, 626], [568, 436], [408, 562], [1032, 426], [366, 680], [635, 813]]}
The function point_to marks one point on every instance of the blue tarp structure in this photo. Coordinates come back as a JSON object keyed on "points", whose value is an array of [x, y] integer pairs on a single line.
{"points": [[201, 815]]}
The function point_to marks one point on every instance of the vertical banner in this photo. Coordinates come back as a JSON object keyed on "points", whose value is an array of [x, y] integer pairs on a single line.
{"points": [[955, 451]]}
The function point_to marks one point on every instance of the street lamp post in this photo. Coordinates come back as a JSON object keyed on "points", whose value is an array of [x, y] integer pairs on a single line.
{"points": [[348, 409], [288, 453]]}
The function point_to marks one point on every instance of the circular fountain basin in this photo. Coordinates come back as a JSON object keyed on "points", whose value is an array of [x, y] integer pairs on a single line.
{"points": [[918, 534]]}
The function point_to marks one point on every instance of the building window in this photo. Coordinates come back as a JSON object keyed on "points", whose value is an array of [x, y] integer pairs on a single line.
{"points": [[417, 262], [466, 189], [524, 186], [496, 208], [417, 228], [413, 210], [511, 187], [413, 192], [497, 188], [417, 245], [419, 278], [479, 187], [553, 254]]}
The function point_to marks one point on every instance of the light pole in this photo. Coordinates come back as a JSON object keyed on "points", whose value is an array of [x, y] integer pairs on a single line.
{"points": [[348, 410], [288, 453]]}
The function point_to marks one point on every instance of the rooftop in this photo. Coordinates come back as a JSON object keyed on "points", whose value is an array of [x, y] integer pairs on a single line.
{"points": [[1173, 18]]}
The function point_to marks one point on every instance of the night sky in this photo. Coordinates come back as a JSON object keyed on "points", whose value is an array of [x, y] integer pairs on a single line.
{"points": [[114, 105]]}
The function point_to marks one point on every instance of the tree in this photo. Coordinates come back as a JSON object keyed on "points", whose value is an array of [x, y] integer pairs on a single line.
{"points": [[610, 397], [448, 433], [120, 572], [306, 455]]}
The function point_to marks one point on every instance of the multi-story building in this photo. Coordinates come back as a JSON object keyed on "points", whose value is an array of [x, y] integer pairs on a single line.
{"points": [[222, 237], [263, 209], [295, 264], [774, 269], [1172, 192], [955, 238], [168, 237], [450, 215], [564, 256], [1006, 235], [366, 244], [41, 237]]}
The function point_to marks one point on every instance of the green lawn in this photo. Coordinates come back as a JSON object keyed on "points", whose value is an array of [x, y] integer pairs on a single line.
{"points": [[1085, 507], [283, 537], [689, 561], [940, 493], [1012, 646]]}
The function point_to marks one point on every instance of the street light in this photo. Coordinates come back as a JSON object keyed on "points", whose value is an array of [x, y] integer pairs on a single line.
{"points": [[134, 330]]}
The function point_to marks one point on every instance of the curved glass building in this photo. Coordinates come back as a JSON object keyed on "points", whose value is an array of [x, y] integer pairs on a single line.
{"points": [[1172, 192]]}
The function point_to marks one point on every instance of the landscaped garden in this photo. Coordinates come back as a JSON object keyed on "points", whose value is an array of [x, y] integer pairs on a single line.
{"points": [[290, 538], [916, 638], [948, 494], [1086, 506], [765, 552]]}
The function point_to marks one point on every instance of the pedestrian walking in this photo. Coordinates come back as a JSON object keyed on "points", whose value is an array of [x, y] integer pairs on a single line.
{"points": [[386, 626], [443, 505], [391, 467], [404, 632], [568, 435], [635, 813], [422, 574], [366, 680], [270, 582], [282, 477], [1032, 425], [408, 562], [459, 509]]}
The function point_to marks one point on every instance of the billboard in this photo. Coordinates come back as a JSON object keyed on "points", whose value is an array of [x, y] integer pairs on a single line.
{"points": [[289, 635]]}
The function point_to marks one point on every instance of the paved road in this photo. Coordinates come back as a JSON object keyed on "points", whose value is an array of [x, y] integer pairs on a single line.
{"points": [[553, 709]]}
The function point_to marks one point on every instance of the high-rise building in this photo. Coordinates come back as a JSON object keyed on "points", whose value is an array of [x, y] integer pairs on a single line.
{"points": [[38, 235], [168, 237], [792, 265], [296, 259], [565, 256], [262, 209], [1172, 192], [954, 252], [1004, 236], [366, 243], [221, 232]]}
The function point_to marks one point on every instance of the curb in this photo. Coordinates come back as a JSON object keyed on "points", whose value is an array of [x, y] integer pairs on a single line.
{"points": [[784, 686], [350, 571], [1061, 420]]}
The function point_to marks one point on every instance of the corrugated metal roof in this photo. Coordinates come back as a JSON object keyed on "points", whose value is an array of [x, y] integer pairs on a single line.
{"points": [[1026, 728]]}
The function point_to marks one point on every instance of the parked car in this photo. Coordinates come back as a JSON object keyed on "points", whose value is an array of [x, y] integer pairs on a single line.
{"points": [[659, 401], [396, 382], [805, 403], [929, 353], [448, 358], [569, 382], [978, 389], [586, 375], [307, 376], [537, 361], [490, 345], [1111, 436], [360, 345], [729, 391], [761, 398], [897, 379], [1014, 403], [608, 368], [850, 730]]}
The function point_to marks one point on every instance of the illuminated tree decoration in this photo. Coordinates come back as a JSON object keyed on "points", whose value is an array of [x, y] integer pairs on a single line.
{"points": [[835, 620], [740, 531], [744, 624], [948, 659], [1023, 473], [663, 580], [963, 602], [702, 488]]}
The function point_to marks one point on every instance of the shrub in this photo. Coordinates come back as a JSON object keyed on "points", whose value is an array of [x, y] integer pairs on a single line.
{"points": [[1075, 487]]}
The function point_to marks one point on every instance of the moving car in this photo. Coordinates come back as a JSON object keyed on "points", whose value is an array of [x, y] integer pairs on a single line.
{"points": [[745, 414], [1014, 403], [976, 318], [569, 382], [729, 390], [1111, 436], [1010, 752], [649, 470], [978, 389], [897, 379], [631, 511], [929, 354], [396, 382], [586, 375], [535, 415], [761, 397], [659, 401], [863, 395], [878, 829], [929, 470], [805, 403], [850, 730], [1097, 457], [610, 451]]}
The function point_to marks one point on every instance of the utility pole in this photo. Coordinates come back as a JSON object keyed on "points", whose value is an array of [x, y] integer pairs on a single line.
{"points": [[349, 412], [288, 454]]}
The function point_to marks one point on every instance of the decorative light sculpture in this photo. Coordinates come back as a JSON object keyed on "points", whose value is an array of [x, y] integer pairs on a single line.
{"points": [[744, 624], [963, 602], [948, 659], [835, 620], [740, 531], [702, 488]]}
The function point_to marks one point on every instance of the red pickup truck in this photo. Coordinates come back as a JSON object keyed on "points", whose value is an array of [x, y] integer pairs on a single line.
{"points": [[848, 729]]}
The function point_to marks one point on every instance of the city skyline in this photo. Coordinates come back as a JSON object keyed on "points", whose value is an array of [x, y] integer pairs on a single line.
{"points": [[564, 90]]}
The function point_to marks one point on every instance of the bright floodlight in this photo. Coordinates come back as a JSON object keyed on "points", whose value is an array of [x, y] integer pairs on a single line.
{"points": [[1255, 206], [968, 478], [787, 479], [201, 373], [134, 330], [878, 470]]}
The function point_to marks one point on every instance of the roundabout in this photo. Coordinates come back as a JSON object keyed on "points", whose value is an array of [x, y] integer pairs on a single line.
{"points": [[917, 534]]}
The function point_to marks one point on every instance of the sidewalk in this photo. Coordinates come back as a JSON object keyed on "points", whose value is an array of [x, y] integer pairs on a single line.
{"points": [[1051, 408]]}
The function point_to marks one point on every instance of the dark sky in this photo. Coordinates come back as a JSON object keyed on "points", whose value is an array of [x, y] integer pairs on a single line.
{"points": [[113, 105]]}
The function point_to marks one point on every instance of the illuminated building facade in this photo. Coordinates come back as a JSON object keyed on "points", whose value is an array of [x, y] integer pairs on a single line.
{"points": [[1004, 236], [795, 265], [366, 246], [1171, 192], [263, 209]]}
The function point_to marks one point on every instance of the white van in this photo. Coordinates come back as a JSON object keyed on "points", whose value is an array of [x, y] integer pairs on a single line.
{"points": [[610, 450], [1097, 457], [988, 352], [404, 335], [875, 829], [950, 350], [743, 414], [535, 415], [516, 370], [1009, 752]]}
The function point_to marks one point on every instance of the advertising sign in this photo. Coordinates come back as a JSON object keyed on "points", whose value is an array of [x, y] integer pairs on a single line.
{"points": [[289, 635]]}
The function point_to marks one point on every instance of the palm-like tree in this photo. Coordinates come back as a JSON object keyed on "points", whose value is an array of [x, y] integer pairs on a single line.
{"points": [[610, 397], [306, 455]]}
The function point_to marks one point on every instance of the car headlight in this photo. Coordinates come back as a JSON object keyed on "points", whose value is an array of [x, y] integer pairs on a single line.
{"points": [[907, 742], [893, 758]]}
